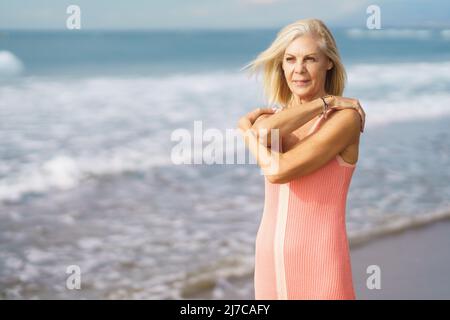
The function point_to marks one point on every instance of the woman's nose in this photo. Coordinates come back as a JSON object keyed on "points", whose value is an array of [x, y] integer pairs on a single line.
{"points": [[299, 67]]}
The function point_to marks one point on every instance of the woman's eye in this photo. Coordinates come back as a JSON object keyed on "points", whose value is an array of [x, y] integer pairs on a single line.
{"points": [[288, 59], [311, 58]]}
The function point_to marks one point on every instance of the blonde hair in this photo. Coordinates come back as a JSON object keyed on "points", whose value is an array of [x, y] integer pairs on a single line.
{"points": [[271, 59]]}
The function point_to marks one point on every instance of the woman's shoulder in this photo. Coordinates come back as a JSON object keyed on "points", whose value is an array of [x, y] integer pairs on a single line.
{"points": [[349, 116], [347, 119]]}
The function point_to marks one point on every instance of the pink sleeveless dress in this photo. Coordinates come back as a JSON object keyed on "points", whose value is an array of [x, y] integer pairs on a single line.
{"points": [[301, 249]]}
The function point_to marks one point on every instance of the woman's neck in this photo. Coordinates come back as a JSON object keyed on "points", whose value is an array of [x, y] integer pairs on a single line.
{"points": [[298, 100]]}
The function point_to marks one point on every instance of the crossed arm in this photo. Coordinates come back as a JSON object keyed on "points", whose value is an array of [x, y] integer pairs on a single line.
{"points": [[288, 120], [340, 130]]}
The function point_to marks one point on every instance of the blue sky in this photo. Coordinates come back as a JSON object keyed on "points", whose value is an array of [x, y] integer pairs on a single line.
{"points": [[215, 14]]}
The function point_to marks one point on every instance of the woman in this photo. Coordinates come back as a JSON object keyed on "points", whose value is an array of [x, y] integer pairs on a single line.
{"points": [[302, 249]]}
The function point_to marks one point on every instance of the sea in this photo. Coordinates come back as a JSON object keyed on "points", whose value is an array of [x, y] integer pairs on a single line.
{"points": [[87, 170]]}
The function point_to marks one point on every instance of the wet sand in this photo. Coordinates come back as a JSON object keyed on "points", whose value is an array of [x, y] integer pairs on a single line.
{"points": [[414, 264]]}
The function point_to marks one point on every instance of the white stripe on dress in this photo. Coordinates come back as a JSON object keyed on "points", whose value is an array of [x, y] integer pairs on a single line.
{"points": [[280, 273]]}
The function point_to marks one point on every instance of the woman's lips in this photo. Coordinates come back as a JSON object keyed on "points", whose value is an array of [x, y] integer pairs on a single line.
{"points": [[301, 83]]}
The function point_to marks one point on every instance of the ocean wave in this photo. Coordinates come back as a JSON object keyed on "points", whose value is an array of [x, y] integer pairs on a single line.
{"points": [[399, 79], [10, 65], [445, 34], [62, 172], [390, 33], [67, 130], [396, 225]]}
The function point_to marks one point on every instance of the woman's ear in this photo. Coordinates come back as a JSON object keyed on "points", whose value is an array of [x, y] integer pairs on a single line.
{"points": [[330, 64]]}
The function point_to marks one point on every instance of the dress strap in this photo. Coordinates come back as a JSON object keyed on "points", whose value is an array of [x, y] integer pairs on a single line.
{"points": [[318, 122], [315, 125]]}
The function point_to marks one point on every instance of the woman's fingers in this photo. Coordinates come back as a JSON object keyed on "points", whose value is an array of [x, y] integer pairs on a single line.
{"points": [[340, 107], [362, 114], [253, 115], [244, 124], [260, 111], [247, 121], [363, 120]]}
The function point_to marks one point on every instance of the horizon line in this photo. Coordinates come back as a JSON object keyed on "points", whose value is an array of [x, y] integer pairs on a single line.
{"points": [[182, 29]]}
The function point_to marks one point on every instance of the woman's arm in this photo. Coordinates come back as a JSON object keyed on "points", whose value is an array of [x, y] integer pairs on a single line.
{"points": [[266, 158], [313, 152], [293, 118], [289, 119], [341, 130]]}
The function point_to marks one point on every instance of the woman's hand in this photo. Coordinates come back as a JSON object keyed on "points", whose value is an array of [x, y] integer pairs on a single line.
{"points": [[249, 119], [340, 103]]}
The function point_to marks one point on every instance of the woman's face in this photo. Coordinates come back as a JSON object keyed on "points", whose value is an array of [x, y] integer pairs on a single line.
{"points": [[305, 67]]}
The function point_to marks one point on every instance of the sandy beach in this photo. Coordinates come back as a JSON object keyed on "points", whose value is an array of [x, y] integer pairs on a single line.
{"points": [[414, 264]]}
